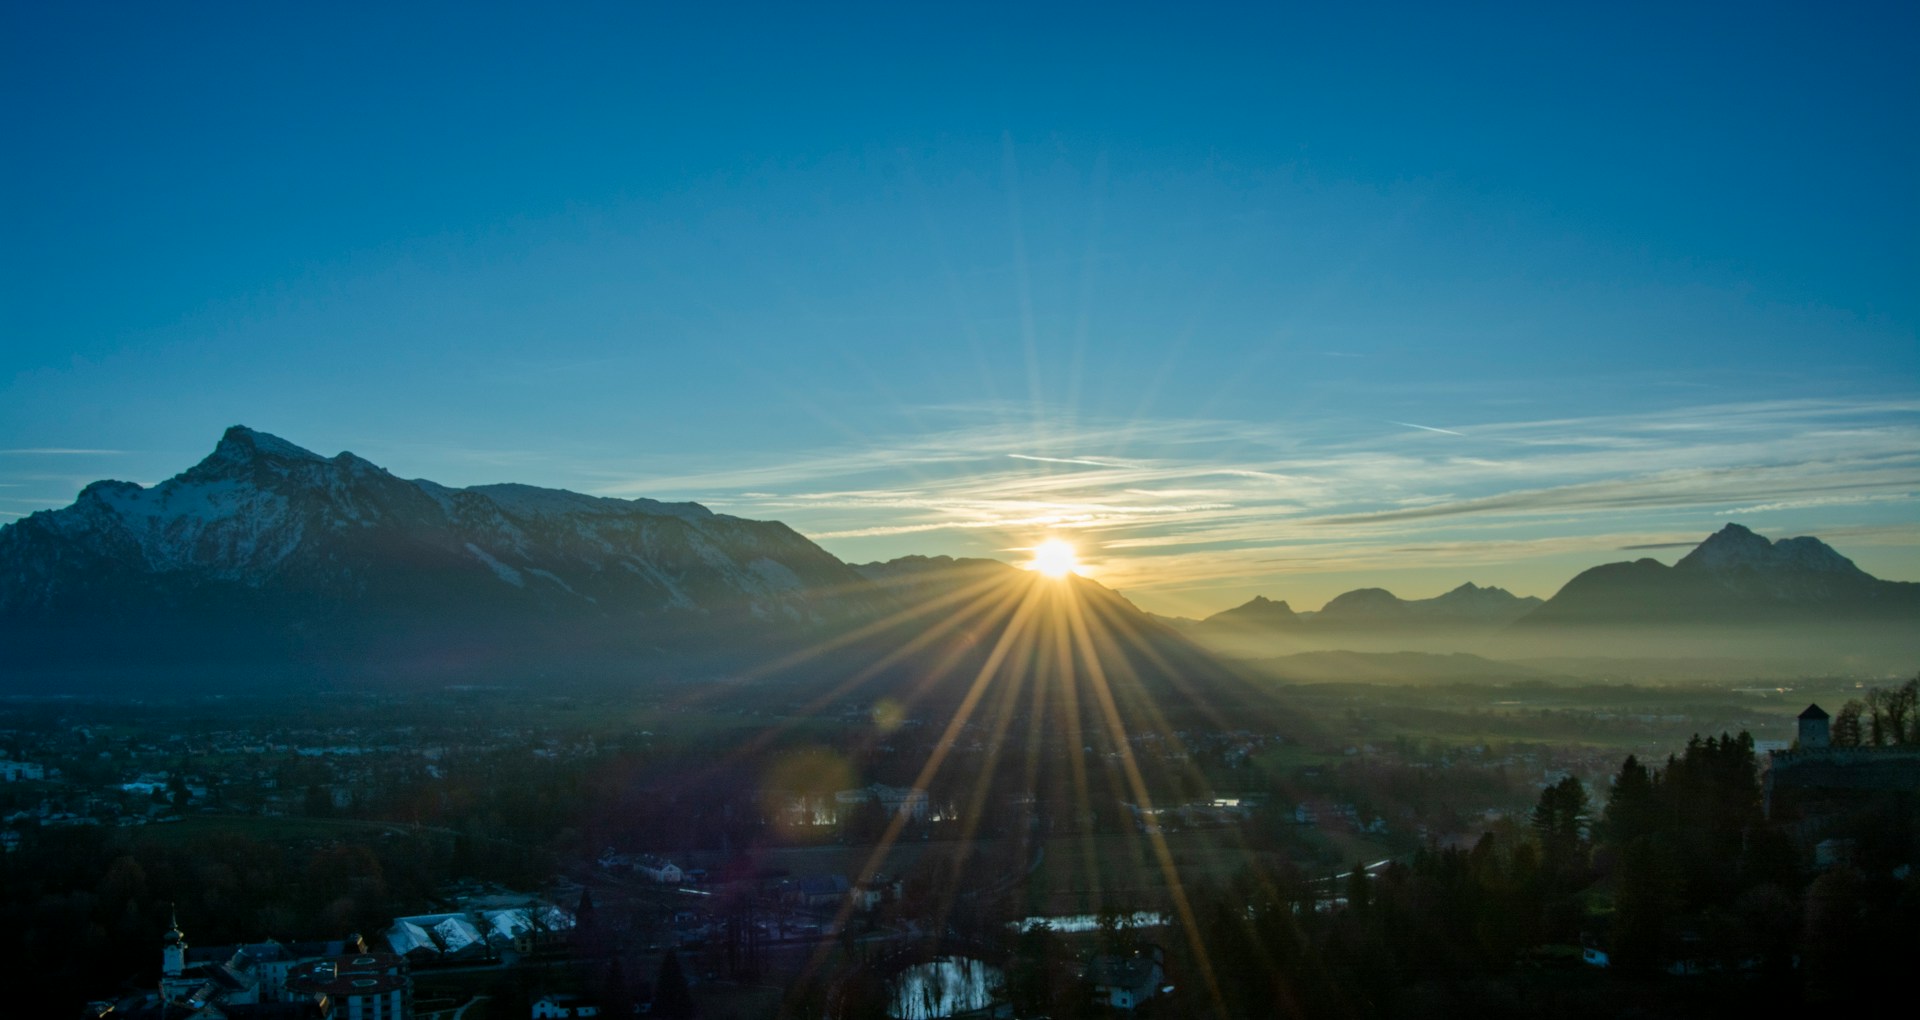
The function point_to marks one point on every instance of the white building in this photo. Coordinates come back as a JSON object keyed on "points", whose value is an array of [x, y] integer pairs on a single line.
{"points": [[895, 800], [17, 771], [659, 869], [554, 1007]]}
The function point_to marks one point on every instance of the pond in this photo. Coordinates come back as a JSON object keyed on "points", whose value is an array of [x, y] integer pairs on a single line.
{"points": [[943, 987]]}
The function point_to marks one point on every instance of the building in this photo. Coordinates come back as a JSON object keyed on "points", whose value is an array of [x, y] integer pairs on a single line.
{"points": [[20, 771], [894, 800], [339, 980], [659, 869], [874, 891], [482, 931], [361, 986], [1814, 732], [556, 1007], [1124, 982], [818, 891], [1816, 781]]}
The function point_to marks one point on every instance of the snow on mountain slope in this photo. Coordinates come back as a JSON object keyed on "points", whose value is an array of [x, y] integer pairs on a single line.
{"points": [[264, 514]]}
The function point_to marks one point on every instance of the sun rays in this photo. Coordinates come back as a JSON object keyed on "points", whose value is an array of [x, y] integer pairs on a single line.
{"points": [[1018, 662]]}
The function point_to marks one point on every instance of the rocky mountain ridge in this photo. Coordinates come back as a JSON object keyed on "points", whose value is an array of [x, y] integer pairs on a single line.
{"points": [[265, 550]]}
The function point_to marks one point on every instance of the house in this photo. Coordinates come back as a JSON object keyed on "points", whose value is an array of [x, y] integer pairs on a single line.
{"points": [[819, 891], [20, 771], [1124, 982], [874, 891], [656, 868], [659, 870], [553, 1007], [894, 800]]}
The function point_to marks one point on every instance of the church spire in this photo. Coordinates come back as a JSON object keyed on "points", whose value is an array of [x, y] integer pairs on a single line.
{"points": [[173, 954]]}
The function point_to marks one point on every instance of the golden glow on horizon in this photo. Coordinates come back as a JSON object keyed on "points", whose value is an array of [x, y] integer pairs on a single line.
{"points": [[1055, 558]]}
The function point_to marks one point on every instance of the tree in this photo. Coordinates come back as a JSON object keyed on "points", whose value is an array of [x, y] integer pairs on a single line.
{"points": [[671, 998], [1357, 886], [1561, 818], [1631, 810], [613, 989], [1845, 730], [1036, 971], [1903, 713], [1646, 900]]}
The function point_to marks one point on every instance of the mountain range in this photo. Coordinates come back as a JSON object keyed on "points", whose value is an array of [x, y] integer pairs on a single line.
{"points": [[268, 559], [1794, 603]]}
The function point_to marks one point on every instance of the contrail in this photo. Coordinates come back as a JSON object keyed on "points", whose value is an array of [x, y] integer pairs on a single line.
{"points": [[1425, 428], [1090, 462]]}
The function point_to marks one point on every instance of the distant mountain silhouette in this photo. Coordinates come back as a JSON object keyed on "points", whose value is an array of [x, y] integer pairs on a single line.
{"points": [[1257, 614], [1749, 604], [1735, 576], [1373, 610]]}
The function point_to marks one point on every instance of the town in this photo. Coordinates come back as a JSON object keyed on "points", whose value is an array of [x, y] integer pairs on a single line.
{"points": [[548, 856]]}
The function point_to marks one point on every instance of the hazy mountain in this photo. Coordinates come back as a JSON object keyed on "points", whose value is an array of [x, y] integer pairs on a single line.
{"points": [[1260, 613], [1738, 604], [1467, 604], [266, 553], [1370, 615], [928, 578], [1735, 576]]}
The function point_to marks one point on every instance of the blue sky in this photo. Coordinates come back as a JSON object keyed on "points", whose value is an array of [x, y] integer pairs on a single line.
{"points": [[1181, 283]]}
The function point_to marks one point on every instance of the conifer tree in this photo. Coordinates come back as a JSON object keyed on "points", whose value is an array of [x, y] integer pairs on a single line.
{"points": [[671, 998]]}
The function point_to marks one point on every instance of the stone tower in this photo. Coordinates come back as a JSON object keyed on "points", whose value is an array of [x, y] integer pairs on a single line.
{"points": [[1813, 729]]}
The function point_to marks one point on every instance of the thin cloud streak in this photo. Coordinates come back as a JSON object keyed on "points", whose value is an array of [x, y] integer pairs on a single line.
{"points": [[1425, 428]]}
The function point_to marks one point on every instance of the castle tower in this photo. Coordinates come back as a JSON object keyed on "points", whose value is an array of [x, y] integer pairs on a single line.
{"points": [[1813, 729], [173, 954]]}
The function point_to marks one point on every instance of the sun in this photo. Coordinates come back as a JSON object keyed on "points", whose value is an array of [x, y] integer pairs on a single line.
{"points": [[1055, 558]]}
